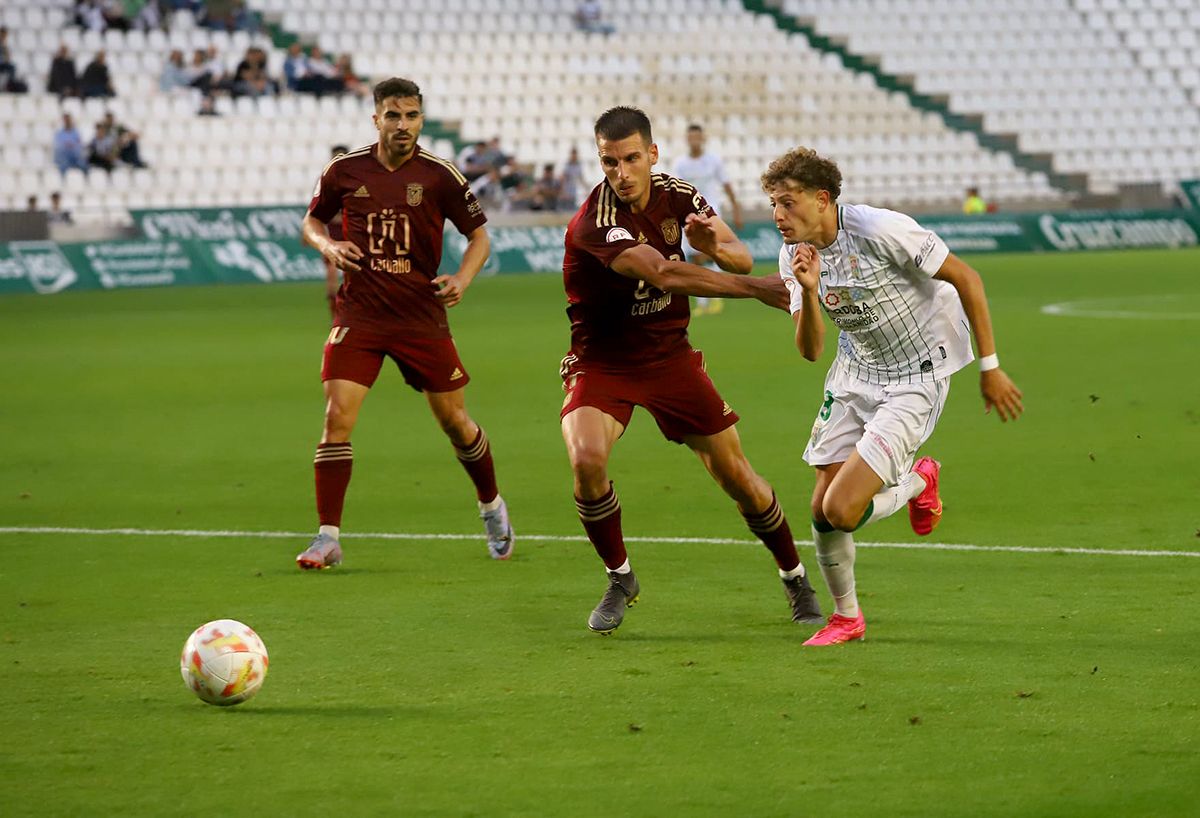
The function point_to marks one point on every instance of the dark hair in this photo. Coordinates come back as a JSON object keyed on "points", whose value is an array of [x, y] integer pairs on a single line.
{"points": [[397, 87], [695, 127], [808, 170], [338, 150], [623, 121]]}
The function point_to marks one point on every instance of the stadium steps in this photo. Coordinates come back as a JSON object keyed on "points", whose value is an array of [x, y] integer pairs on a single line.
{"points": [[1075, 183]]}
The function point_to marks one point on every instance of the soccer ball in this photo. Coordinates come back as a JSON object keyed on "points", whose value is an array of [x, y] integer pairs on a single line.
{"points": [[224, 662]]}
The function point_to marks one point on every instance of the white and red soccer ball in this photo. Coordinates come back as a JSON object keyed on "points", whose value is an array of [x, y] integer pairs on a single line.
{"points": [[224, 662]]}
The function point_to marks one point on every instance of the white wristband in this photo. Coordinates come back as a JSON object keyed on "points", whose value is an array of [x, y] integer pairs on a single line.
{"points": [[988, 362]]}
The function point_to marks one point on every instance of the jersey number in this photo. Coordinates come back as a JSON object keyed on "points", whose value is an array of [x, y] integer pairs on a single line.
{"points": [[643, 289], [381, 228], [827, 406]]}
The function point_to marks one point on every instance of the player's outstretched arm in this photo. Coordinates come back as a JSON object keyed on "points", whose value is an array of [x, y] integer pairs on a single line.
{"points": [[341, 254], [998, 389], [712, 236], [805, 269], [450, 288], [645, 263]]}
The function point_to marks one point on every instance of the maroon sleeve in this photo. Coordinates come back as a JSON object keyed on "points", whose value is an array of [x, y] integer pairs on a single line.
{"points": [[694, 202], [327, 195], [603, 242], [460, 206]]}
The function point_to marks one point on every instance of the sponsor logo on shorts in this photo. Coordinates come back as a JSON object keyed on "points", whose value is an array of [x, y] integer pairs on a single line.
{"points": [[456, 374], [883, 444], [726, 409], [926, 366], [618, 234], [337, 335]]}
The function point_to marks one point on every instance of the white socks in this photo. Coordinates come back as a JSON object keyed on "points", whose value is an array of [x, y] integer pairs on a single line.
{"points": [[890, 500], [835, 555], [623, 568], [484, 508], [331, 530], [798, 571]]}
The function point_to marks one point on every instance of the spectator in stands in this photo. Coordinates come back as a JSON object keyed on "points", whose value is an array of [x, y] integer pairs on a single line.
{"points": [[571, 181], [200, 73], [64, 77], [589, 17], [475, 164], [102, 151], [250, 78], [95, 80], [127, 141], [174, 74], [974, 204], [149, 16], [7, 69], [57, 214], [546, 190], [351, 82], [90, 15], [31, 204], [9, 81], [322, 74], [295, 66], [229, 15], [68, 147], [114, 15]]}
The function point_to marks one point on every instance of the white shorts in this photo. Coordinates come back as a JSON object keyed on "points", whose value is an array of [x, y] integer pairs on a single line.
{"points": [[886, 424]]}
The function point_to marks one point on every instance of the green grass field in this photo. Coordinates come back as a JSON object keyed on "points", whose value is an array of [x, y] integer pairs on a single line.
{"points": [[423, 679]]}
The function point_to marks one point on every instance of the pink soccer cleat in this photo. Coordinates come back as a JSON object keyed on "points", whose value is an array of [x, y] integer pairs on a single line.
{"points": [[840, 629], [925, 510]]}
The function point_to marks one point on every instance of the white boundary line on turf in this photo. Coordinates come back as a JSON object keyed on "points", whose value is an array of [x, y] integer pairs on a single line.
{"points": [[1099, 308], [390, 535]]}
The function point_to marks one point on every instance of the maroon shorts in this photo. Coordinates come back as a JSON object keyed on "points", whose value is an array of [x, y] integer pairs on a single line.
{"points": [[427, 364], [677, 393]]}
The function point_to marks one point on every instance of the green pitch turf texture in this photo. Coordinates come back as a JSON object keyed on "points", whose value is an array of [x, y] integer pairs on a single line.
{"points": [[421, 678]]}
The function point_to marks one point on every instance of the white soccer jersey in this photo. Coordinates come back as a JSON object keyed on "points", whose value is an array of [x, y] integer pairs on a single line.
{"points": [[706, 173], [897, 323]]}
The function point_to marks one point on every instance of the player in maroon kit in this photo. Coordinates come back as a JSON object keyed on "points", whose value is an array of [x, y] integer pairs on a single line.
{"points": [[395, 198], [627, 288]]}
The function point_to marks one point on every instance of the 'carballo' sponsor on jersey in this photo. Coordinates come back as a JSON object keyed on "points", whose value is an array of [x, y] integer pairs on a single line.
{"points": [[618, 234]]}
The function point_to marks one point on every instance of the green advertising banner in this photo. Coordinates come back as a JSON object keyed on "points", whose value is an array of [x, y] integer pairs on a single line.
{"points": [[1191, 192], [248, 244]]}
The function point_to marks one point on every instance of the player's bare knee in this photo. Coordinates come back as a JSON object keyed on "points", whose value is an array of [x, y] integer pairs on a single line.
{"points": [[839, 514], [339, 423]]}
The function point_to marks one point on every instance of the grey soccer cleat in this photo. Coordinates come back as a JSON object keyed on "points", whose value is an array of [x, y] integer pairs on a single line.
{"points": [[323, 552], [803, 599], [622, 593], [499, 532]]}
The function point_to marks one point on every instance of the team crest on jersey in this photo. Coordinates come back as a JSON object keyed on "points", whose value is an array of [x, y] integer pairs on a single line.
{"points": [[670, 230], [415, 193], [853, 262]]}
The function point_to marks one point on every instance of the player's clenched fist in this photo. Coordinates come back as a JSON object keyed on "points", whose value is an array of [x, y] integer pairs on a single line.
{"points": [[806, 266]]}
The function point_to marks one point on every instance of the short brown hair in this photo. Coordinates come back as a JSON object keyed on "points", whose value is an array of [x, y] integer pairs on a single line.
{"points": [[397, 87], [622, 122], [808, 170]]}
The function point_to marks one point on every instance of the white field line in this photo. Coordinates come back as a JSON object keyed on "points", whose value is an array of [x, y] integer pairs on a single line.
{"points": [[1100, 308], [391, 535]]}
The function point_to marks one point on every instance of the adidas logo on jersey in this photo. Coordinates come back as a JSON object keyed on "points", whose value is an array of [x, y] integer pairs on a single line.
{"points": [[361, 193]]}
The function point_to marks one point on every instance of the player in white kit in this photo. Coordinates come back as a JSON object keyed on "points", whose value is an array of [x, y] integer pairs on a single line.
{"points": [[906, 308], [706, 172]]}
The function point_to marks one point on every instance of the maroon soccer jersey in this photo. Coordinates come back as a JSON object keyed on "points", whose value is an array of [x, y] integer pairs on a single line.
{"points": [[616, 321], [396, 218]]}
